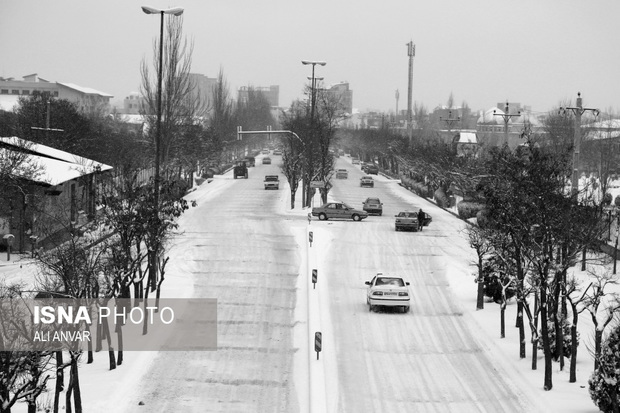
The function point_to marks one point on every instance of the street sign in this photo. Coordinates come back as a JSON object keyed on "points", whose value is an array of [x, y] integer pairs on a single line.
{"points": [[317, 343], [317, 184], [314, 277], [310, 237]]}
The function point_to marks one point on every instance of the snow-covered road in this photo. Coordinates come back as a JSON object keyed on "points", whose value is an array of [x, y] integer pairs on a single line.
{"points": [[236, 249], [430, 359], [240, 246]]}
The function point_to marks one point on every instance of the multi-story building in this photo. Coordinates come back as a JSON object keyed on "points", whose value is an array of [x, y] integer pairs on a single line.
{"points": [[87, 99], [343, 95]]}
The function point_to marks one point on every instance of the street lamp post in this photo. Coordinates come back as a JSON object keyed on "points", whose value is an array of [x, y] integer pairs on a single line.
{"points": [[176, 11], [312, 105]]}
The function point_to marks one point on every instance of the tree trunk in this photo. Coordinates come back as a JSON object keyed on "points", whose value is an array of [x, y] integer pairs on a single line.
{"points": [[503, 320], [548, 382], [293, 199], [60, 378], [573, 350], [598, 339], [535, 353], [521, 326], [480, 296], [75, 378]]}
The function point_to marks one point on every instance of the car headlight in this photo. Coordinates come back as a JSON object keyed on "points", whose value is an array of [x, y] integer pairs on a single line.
{"points": [[403, 294], [377, 293]]}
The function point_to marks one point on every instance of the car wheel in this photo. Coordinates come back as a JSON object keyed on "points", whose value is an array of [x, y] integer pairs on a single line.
{"points": [[234, 176], [370, 307], [396, 229], [406, 309], [380, 213], [356, 217], [322, 217]]}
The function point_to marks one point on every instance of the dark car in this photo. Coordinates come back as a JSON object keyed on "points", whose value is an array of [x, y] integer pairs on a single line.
{"points": [[266, 160], [240, 170], [371, 168], [338, 210], [373, 206]]}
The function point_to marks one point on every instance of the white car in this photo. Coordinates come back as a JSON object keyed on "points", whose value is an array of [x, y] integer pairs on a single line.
{"points": [[389, 292]]}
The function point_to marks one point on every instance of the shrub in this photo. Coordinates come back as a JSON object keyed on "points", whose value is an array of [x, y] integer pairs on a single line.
{"points": [[603, 383], [617, 201], [607, 198], [565, 334], [468, 209], [493, 279]]}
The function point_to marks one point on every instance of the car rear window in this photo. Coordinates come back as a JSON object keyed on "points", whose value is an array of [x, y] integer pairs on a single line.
{"points": [[397, 282]]}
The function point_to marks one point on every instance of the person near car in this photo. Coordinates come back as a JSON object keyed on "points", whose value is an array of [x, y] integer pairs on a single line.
{"points": [[421, 219]]}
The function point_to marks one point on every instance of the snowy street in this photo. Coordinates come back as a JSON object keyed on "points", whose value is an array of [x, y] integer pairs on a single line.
{"points": [[238, 246]]}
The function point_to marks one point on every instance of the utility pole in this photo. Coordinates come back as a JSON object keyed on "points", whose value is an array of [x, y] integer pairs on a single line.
{"points": [[411, 54], [450, 121], [578, 111], [506, 117]]}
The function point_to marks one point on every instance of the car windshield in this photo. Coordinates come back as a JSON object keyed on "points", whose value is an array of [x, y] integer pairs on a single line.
{"points": [[396, 282], [271, 178], [346, 206], [373, 200]]}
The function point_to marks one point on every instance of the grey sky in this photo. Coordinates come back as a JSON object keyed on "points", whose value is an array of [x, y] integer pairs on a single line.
{"points": [[536, 52]]}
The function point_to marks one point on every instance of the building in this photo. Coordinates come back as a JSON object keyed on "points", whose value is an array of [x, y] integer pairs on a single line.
{"points": [[57, 193], [271, 93], [341, 94], [88, 100]]}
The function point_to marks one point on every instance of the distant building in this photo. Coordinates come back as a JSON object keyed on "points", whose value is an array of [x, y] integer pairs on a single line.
{"points": [[343, 95], [87, 99], [134, 104], [271, 93], [203, 87]]}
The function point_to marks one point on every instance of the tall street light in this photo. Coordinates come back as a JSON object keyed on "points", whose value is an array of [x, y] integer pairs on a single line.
{"points": [[312, 103], [176, 11]]}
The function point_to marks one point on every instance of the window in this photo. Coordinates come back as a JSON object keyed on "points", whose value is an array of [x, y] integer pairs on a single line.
{"points": [[4, 92], [25, 92], [15, 92]]}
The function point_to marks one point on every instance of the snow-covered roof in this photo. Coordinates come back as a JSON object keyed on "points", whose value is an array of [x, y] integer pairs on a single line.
{"points": [[467, 137], [55, 166], [85, 90]]}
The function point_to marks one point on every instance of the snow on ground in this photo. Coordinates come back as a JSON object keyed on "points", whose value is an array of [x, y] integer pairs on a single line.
{"points": [[316, 384]]}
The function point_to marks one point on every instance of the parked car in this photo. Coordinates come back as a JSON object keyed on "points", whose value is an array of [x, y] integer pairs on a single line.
{"points": [[411, 221], [373, 206], [371, 168], [338, 210], [388, 292], [355, 161], [272, 182], [265, 151], [367, 181], [342, 174], [240, 170], [266, 160]]}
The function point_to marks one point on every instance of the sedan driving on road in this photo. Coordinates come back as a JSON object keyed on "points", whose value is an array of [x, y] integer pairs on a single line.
{"points": [[388, 292], [342, 174], [266, 160], [338, 210], [367, 181]]}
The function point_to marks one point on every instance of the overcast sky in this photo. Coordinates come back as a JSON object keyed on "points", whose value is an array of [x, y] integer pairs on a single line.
{"points": [[539, 53]]}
